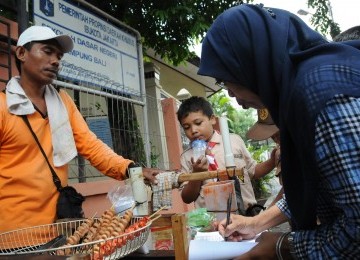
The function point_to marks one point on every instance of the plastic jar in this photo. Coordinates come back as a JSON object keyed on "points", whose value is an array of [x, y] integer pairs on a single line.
{"points": [[199, 148]]}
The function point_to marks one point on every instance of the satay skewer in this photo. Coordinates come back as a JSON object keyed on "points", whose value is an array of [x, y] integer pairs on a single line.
{"points": [[156, 212], [155, 218], [133, 207]]}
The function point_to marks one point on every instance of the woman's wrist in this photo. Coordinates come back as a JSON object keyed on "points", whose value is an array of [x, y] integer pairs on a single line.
{"points": [[257, 224], [290, 244], [280, 246], [266, 219]]}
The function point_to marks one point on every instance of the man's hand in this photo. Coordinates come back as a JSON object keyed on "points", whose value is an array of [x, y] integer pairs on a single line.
{"points": [[150, 175]]}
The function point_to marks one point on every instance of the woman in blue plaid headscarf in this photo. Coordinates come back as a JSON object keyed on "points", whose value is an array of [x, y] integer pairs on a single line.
{"points": [[270, 58]]}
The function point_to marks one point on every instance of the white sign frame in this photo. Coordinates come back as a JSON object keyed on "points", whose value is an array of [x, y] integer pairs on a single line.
{"points": [[104, 55]]}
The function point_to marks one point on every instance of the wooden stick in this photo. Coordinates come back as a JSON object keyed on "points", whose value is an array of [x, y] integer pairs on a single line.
{"points": [[156, 212], [201, 176], [113, 206], [155, 218]]}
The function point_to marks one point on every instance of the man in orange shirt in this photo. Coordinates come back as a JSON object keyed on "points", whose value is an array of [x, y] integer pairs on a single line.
{"points": [[28, 195]]}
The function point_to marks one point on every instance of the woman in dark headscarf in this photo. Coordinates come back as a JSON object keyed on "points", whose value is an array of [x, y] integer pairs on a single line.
{"points": [[271, 58]]}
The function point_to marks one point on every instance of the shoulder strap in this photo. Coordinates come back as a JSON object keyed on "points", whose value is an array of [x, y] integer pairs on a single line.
{"points": [[56, 179]]}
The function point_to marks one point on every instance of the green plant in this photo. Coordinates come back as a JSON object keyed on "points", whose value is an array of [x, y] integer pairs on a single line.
{"points": [[262, 186], [154, 157]]}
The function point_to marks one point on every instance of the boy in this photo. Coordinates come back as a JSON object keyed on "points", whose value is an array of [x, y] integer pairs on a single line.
{"points": [[197, 119]]}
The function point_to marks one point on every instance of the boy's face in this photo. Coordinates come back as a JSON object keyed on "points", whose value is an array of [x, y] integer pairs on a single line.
{"points": [[198, 126]]}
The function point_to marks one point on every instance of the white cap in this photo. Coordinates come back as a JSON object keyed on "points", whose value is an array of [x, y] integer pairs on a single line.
{"points": [[43, 33]]}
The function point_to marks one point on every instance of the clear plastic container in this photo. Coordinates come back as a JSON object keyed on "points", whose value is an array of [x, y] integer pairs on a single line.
{"points": [[198, 147]]}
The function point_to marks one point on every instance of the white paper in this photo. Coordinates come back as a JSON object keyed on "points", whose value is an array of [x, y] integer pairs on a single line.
{"points": [[209, 236], [215, 250]]}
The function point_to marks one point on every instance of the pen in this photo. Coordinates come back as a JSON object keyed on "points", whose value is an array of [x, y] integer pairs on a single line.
{"points": [[228, 211]]}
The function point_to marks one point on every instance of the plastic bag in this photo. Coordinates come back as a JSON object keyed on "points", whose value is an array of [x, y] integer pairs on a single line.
{"points": [[121, 198], [200, 220]]}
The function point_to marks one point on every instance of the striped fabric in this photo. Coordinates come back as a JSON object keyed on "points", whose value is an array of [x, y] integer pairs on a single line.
{"points": [[162, 192]]}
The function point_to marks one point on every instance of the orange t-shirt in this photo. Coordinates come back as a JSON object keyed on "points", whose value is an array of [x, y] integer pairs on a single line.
{"points": [[28, 195]]}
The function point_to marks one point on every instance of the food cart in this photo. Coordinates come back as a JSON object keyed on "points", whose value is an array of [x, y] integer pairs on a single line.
{"points": [[54, 239]]}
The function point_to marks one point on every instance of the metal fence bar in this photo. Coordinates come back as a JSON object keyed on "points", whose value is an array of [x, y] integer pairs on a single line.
{"points": [[95, 91]]}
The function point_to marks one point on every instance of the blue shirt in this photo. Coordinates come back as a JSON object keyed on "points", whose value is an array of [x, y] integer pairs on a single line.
{"points": [[338, 203]]}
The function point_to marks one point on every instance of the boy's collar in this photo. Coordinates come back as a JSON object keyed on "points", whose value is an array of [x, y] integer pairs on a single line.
{"points": [[216, 137]]}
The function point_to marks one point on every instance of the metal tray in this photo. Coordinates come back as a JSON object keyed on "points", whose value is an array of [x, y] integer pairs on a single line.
{"points": [[37, 240]]}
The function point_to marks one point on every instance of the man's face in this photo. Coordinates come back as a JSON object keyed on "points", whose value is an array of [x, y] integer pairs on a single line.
{"points": [[244, 97], [198, 126], [40, 63]]}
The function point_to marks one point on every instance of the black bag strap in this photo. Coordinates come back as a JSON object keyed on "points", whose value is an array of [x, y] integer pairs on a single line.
{"points": [[56, 179]]}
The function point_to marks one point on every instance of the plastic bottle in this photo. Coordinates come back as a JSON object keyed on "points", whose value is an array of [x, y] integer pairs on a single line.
{"points": [[198, 147]]}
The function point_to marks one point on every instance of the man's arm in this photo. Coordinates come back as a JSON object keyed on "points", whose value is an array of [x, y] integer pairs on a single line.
{"points": [[101, 156]]}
